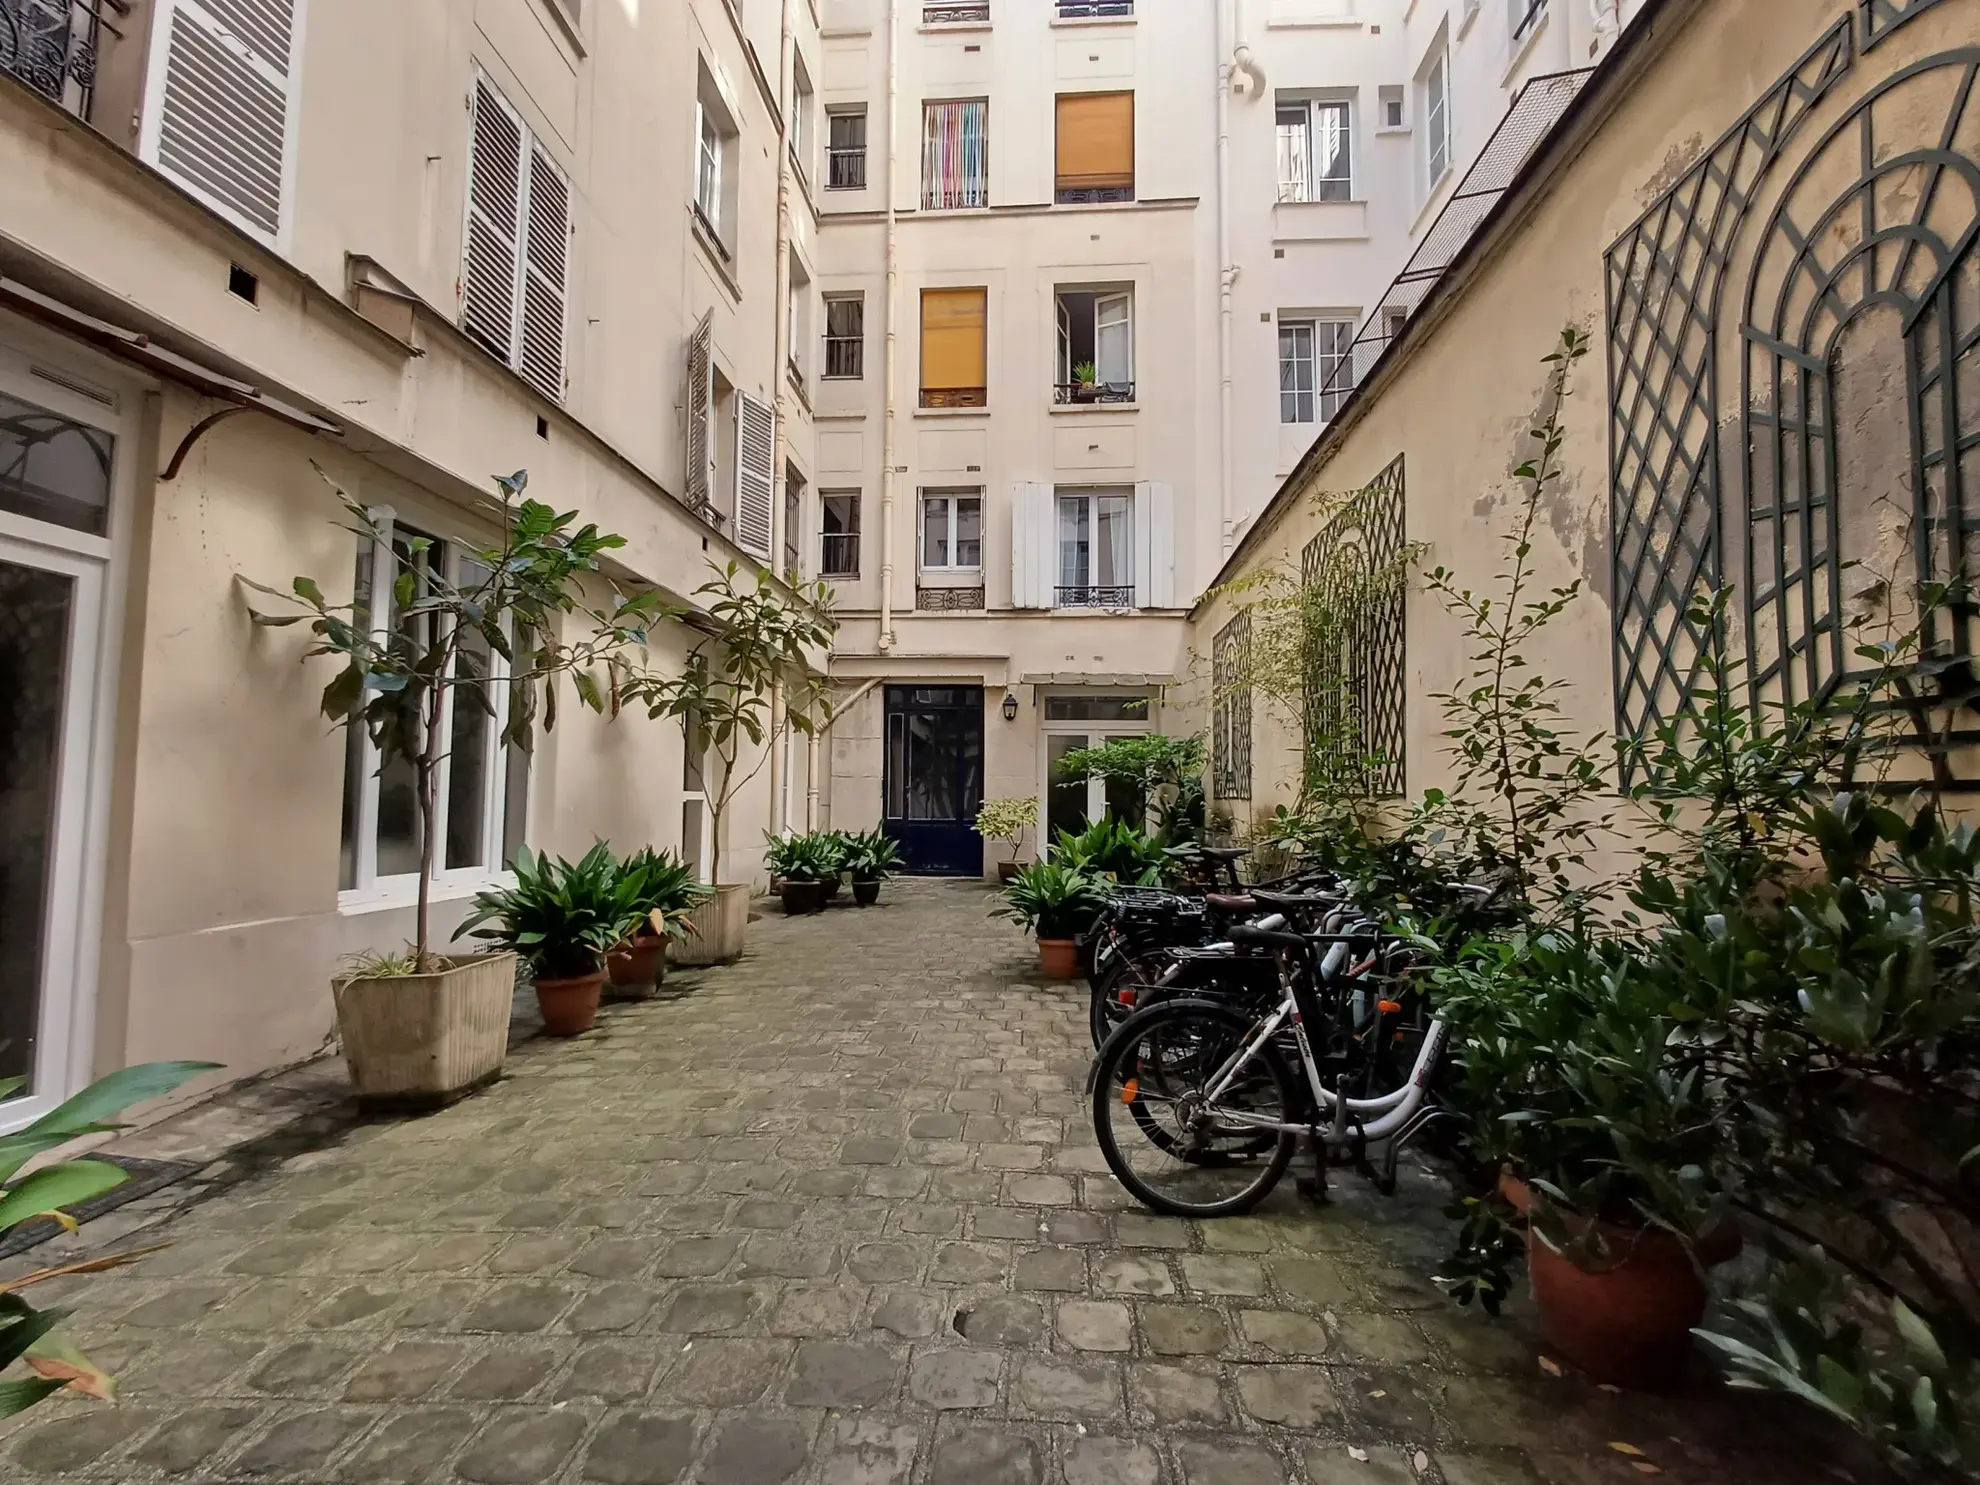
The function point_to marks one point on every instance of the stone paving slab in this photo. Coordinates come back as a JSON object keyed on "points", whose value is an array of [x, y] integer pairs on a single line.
{"points": [[834, 1216]]}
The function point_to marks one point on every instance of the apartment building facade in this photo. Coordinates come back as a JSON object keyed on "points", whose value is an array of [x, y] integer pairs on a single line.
{"points": [[414, 246]]}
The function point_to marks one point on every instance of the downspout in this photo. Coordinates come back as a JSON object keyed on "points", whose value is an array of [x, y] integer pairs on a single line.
{"points": [[811, 773], [780, 318], [1226, 279], [889, 449]]}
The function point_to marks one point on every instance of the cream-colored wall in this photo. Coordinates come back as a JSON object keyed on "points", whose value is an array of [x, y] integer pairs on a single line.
{"points": [[1465, 389]]}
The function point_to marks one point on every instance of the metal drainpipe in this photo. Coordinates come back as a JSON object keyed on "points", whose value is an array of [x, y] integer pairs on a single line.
{"points": [[889, 451], [1226, 279], [780, 318], [811, 771]]}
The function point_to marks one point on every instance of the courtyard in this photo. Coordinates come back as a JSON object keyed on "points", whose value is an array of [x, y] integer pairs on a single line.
{"points": [[830, 1215]]}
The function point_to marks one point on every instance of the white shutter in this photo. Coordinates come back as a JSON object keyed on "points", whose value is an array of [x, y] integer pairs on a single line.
{"points": [[1034, 554], [1154, 545], [495, 201], [700, 482], [756, 454], [545, 263], [219, 114]]}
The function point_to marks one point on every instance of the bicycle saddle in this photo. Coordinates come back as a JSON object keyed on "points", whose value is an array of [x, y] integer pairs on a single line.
{"points": [[1225, 902]]}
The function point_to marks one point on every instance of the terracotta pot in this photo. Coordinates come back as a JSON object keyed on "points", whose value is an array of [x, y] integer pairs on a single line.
{"points": [[415, 1042], [716, 929], [866, 893], [570, 1006], [802, 898], [1007, 871], [1629, 1322], [1058, 958], [633, 969]]}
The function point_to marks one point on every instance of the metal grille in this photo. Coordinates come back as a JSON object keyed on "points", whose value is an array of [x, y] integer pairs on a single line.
{"points": [[1083, 10], [955, 396], [1093, 195], [1881, 17], [948, 600], [1109, 596], [839, 554], [1230, 727], [1664, 281], [1535, 110], [1065, 393], [51, 46], [946, 12], [1355, 701]]}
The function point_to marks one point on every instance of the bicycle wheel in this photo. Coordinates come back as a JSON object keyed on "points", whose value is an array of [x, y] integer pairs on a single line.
{"points": [[1172, 1153], [1117, 988]]}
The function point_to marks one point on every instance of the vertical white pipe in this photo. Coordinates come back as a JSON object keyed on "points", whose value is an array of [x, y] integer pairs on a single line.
{"points": [[780, 319], [1226, 277], [889, 449]]}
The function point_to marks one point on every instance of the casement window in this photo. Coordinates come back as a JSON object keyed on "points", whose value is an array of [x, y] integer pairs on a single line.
{"points": [[1436, 120], [952, 531], [803, 100], [793, 523], [1096, 346], [709, 149], [1525, 17], [838, 538], [1095, 148], [1096, 550], [1111, 547], [953, 366], [955, 155], [221, 106], [1316, 370], [798, 308], [716, 136], [1315, 149], [845, 336], [845, 149], [483, 784], [514, 280]]}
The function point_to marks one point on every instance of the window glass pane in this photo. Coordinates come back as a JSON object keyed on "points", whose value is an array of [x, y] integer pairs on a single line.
{"points": [[399, 833], [1096, 708], [1294, 153], [515, 799], [469, 758], [356, 749], [896, 766], [1114, 545], [1065, 799], [1333, 173], [935, 533], [1113, 338], [969, 532], [53, 469], [954, 155], [1074, 541]]}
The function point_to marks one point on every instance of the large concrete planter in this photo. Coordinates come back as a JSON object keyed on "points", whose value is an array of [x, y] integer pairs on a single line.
{"points": [[422, 1041], [716, 929]]}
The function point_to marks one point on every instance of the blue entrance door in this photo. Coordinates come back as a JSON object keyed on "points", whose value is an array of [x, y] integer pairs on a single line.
{"points": [[934, 777]]}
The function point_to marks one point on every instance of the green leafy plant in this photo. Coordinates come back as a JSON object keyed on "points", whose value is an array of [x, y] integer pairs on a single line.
{"points": [[1052, 900], [817, 857], [661, 890], [398, 678], [380, 964], [28, 1335], [561, 918], [1007, 820], [1086, 373], [1111, 847], [872, 856], [1154, 770]]}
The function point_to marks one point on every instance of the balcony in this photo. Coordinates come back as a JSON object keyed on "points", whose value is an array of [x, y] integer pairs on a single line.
{"points": [[1077, 393], [955, 12], [948, 600], [839, 555], [51, 46], [1094, 10], [1094, 597]]}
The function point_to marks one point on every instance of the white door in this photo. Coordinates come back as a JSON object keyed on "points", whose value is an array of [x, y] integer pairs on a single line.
{"points": [[55, 486]]}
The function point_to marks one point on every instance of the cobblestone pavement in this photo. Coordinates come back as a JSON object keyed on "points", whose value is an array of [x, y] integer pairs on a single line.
{"points": [[832, 1215]]}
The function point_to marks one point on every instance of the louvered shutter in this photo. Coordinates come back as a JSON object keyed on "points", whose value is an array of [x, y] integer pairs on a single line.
{"points": [[495, 196], [545, 262], [1034, 546], [220, 113], [701, 414], [756, 453], [1154, 545]]}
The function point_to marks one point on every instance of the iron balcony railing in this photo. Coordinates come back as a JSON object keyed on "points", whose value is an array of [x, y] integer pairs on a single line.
{"points": [[948, 600], [1093, 195], [1065, 393], [845, 168], [955, 396], [1089, 10], [839, 554], [946, 12], [1096, 597], [845, 355], [51, 45]]}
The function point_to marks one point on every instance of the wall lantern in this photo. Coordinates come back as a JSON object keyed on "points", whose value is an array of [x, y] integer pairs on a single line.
{"points": [[1010, 706]]}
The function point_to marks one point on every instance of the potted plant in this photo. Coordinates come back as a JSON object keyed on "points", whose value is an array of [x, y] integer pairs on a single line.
{"points": [[1086, 379], [661, 889], [562, 919], [801, 867], [761, 647], [421, 1029], [1007, 820], [871, 859], [1057, 903], [839, 844]]}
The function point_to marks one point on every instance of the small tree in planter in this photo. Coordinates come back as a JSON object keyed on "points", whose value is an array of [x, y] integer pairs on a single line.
{"points": [[434, 1029], [1058, 903], [761, 644], [1163, 772], [1007, 820]]}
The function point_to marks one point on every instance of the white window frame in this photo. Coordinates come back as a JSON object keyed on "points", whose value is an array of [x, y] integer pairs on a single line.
{"points": [[709, 146], [1437, 120], [1298, 123], [825, 372], [803, 100], [369, 889], [1306, 326], [1062, 497], [1113, 309], [953, 499], [834, 152]]}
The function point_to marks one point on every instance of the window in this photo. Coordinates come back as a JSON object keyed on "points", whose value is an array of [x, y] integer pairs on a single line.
{"points": [[1437, 120], [802, 100], [1393, 320], [518, 245], [482, 784], [1526, 18], [1095, 147], [1391, 104], [708, 170], [799, 310], [1096, 346], [1316, 370], [838, 514], [715, 135], [955, 155], [952, 348], [1315, 157], [1096, 549], [793, 523], [845, 336], [952, 531], [845, 149]]}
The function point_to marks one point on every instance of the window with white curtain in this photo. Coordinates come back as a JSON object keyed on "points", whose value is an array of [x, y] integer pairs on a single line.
{"points": [[1316, 368], [952, 531], [1096, 549], [1316, 158], [955, 155]]}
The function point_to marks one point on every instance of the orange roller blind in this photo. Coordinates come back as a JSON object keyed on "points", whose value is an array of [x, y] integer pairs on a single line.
{"points": [[1096, 141], [952, 338]]}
